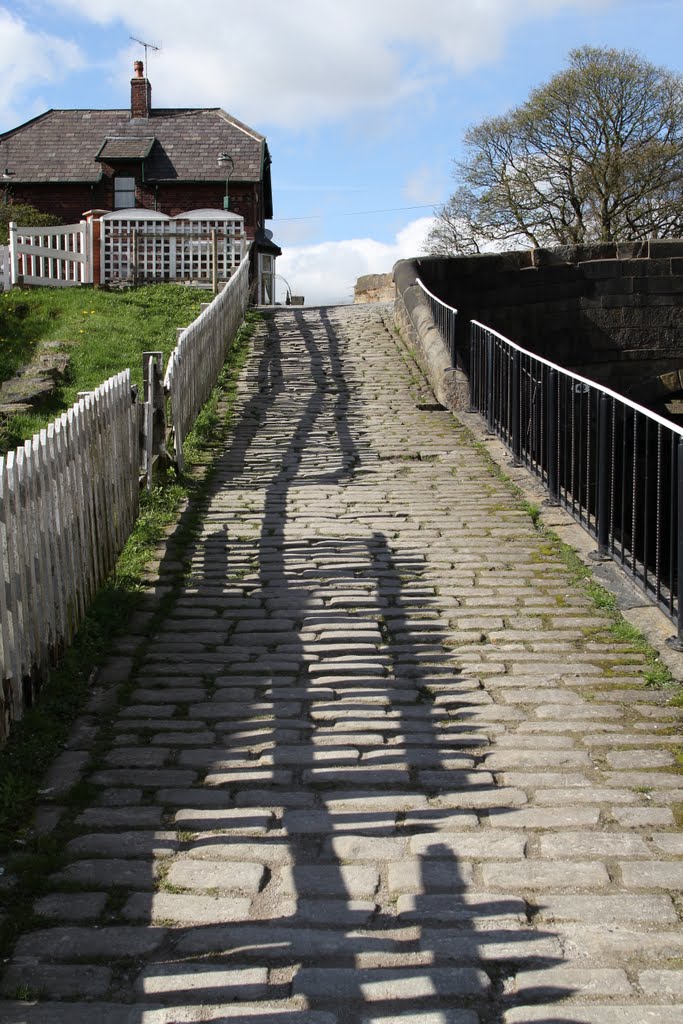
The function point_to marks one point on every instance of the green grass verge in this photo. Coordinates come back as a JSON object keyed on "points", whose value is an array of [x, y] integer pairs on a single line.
{"points": [[102, 332], [42, 733]]}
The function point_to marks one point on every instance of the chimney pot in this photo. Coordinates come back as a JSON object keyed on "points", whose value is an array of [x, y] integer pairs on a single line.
{"points": [[138, 69]]}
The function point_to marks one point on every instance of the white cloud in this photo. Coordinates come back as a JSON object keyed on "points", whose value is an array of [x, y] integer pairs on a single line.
{"points": [[325, 274], [28, 58], [307, 61]]}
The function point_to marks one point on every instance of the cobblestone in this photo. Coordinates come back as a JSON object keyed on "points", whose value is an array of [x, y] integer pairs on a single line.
{"points": [[376, 764], [214, 874], [178, 908]]}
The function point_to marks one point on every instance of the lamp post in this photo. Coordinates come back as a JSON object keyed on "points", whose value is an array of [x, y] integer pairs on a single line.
{"points": [[226, 161]]}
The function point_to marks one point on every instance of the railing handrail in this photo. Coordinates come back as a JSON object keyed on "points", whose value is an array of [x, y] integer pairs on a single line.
{"points": [[431, 295], [661, 420]]}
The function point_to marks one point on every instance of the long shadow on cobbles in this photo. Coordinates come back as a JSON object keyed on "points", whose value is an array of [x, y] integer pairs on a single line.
{"points": [[335, 946], [441, 947]]}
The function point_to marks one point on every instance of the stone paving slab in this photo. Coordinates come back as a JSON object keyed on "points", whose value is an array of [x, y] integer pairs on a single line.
{"points": [[381, 762]]}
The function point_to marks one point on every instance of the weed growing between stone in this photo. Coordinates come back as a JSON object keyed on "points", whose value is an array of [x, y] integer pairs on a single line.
{"points": [[657, 674]]}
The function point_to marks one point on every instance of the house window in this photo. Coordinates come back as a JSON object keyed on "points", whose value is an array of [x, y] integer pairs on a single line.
{"points": [[124, 192]]}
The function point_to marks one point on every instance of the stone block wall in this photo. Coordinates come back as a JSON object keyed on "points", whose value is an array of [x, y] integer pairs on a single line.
{"points": [[613, 312], [374, 288]]}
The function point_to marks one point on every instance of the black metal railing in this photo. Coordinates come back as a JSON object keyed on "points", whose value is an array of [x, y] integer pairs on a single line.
{"points": [[616, 467], [444, 317]]}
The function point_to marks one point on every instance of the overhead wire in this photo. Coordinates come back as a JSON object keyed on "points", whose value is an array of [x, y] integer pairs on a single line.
{"points": [[356, 213]]}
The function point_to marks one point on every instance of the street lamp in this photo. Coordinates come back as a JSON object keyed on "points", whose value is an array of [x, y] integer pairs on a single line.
{"points": [[226, 161]]}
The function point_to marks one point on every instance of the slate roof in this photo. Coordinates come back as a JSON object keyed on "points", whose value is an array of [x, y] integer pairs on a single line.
{"points": [[63, 145]]}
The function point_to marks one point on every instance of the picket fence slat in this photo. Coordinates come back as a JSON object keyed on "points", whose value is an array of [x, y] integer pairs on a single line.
{"points": [[91, 468], [46, 594], [14, 548], [10, 654], [5, 272], [80, 477], [56, 538], [24, 546]]}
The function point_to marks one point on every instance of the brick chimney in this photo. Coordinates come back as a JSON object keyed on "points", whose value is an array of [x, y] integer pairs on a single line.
{"points": [[140, 93]]}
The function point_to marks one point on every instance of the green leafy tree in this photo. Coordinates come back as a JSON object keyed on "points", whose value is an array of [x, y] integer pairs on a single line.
{"points": [[25, 216], [594, 155]]}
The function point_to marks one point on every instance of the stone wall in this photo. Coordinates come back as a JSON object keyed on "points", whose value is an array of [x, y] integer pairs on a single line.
{"points": [[374, 288], [613, 312], [421, 337]]}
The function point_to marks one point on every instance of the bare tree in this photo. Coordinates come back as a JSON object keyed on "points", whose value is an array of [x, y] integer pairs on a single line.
{"points": [[594, 155]]}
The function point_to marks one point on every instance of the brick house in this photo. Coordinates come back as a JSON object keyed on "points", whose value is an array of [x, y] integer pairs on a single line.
{"points": [[66, 162]]}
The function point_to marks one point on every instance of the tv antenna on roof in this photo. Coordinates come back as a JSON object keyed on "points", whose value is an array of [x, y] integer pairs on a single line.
{"points": [[147, 46]]}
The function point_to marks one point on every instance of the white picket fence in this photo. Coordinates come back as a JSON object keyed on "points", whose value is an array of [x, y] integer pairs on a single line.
{"points": [[196, 361], [68, 500], [55, 256], [69, 497], [5, 275]]}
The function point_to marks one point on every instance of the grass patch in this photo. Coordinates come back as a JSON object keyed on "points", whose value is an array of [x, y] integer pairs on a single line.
{"points": [[103, 333], [656, 674], [43, 732], [533, 511]]}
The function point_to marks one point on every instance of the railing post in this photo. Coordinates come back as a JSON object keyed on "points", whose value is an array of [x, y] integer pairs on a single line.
{"points": [[552, 441], [676, 642], [602, 503], [489, 383], [451, 337], [475, 369], [515, 411]]}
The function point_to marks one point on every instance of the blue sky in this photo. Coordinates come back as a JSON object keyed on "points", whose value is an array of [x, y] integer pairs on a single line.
{"points": [[364, 102]]}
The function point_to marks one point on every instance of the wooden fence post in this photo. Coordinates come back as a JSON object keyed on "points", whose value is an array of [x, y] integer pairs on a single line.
{"points": [[13, 255], [95, 254], [154, 424]]}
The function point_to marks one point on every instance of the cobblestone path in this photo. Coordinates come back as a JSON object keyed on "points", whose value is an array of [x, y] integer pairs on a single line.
{"points": [[382, 762]]}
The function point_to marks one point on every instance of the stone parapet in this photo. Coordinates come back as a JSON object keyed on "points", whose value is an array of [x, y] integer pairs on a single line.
{"points": [[416, 324], [611, 311], [374, 288]]}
